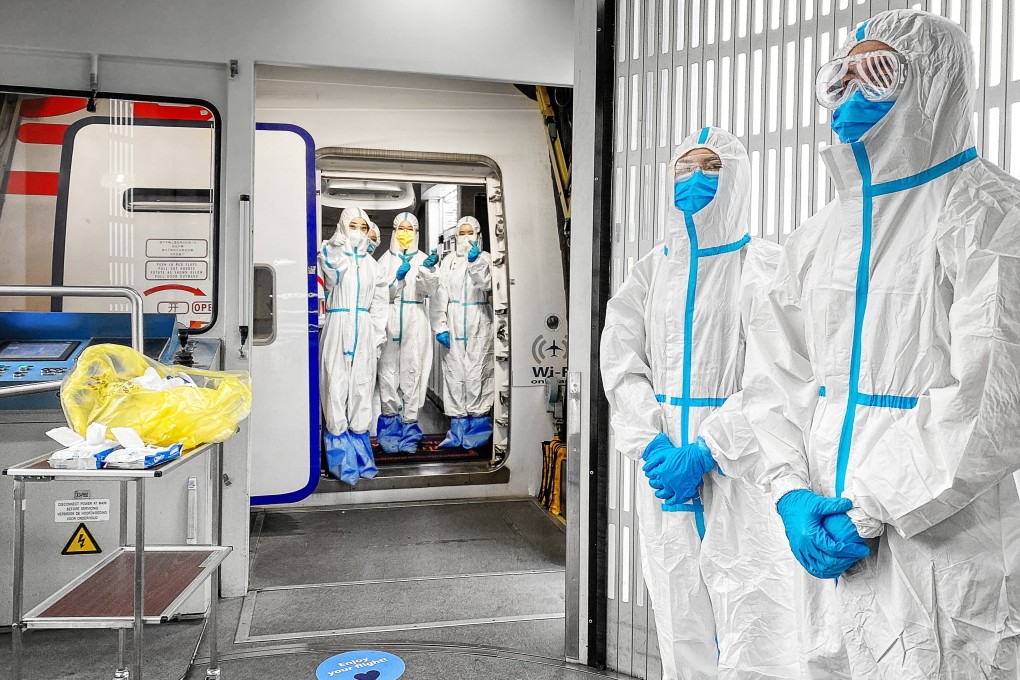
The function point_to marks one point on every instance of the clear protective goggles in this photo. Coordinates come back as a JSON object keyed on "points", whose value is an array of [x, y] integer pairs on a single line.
{"points": [[879, 76], [709, 164]]}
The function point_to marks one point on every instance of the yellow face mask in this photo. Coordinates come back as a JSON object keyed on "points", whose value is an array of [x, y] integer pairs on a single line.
{"points": [[405, 239]]}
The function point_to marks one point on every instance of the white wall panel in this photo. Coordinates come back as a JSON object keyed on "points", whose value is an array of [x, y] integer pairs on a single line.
{"points": [[524, 41]]}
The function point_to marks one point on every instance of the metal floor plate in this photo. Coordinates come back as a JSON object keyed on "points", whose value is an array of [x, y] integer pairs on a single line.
{"points": [[295, 613], [456, 588], [401, 541]]}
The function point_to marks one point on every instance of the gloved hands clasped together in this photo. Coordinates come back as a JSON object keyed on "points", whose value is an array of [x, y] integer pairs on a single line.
{"points": [[676, 473], [404, 268], [822, 537]]}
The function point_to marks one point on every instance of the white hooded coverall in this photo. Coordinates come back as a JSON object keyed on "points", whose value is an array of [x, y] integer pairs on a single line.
{"points": [[672, 352], [357, 305], [407, 353], [468, 366], [894, 337]]}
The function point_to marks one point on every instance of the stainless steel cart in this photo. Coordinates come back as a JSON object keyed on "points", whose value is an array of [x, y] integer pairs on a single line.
{"points": [[164, 576], [106, 595]]}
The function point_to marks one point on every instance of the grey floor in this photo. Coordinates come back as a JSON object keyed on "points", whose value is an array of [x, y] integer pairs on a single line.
{"points": [[467, 589], [432, 420], [92, 654]]}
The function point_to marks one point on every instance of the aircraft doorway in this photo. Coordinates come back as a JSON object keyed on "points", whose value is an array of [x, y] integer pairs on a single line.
{"points": [[446, 546]]}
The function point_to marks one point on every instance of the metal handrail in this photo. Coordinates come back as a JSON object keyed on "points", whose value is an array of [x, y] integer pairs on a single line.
{"points": [[137, 320]]}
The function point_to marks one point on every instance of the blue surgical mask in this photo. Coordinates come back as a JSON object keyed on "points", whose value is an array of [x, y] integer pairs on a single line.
{"points": [[856, 116], [695, 192]]}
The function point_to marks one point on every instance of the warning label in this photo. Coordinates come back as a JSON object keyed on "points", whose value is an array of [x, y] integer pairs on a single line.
{"points": [[82, 543], [82, 510], [176, 270], [176, 247]]}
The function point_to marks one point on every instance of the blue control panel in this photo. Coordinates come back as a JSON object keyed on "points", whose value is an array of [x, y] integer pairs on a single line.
{"points": [[44, 346], [38, 360]]}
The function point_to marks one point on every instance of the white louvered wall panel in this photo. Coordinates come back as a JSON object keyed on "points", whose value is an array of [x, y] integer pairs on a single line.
{"points": [[747, 66]]}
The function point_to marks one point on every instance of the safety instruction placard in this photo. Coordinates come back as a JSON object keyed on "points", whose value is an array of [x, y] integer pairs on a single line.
{"points": [[176, 270], [176, 247], [82, 510], [82, 542]]}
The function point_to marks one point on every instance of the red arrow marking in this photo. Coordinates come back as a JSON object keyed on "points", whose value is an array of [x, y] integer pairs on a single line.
{"points": [[171, 112], [175, 286], [41, 133], [30, 183], [47, 107]]}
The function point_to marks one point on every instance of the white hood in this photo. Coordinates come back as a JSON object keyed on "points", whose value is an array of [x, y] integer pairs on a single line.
{"points": [[342, 236], [464, 242], [725, 219], [404, 217], [931, 119]]}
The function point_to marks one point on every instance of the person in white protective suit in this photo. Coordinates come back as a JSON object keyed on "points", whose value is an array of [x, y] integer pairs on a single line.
{"points": [[893, 327], [407, 353], [715, 565], [374, 240], [465, 281], [373, 237], [357, 303]]}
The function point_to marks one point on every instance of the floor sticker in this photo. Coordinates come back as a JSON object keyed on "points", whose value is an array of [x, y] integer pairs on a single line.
{"points": [[361, 665]]}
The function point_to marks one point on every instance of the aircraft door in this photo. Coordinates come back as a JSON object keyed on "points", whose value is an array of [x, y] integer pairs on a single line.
{"points": [[285, 338]]}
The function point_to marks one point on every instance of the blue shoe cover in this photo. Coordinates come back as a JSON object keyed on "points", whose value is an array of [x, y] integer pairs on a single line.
{"points": [[341, 457], [410, 437], [349, 456], [365, 457], [478, 433], [455, 437], [388, 434]]}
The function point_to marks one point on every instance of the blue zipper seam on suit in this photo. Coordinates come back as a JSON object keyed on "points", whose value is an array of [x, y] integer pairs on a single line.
{"points": [[686, 401], [857, 398], [357, 310], [403, 302]]}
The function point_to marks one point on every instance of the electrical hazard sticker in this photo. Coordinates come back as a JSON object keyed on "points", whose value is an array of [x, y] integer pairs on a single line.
{"points": [[82, 543]]}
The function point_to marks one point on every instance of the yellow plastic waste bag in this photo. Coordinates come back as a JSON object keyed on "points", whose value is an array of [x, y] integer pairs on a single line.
{"points": [[119, 387]]}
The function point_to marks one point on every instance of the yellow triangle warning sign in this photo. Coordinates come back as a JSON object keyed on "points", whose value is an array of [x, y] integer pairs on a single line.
{"points": [[82, 543]]}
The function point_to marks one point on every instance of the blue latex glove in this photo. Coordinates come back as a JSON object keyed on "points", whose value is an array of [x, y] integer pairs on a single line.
{"points": [[654, 454], [474, 252], [842, 528], [817, 551], [443, 339], [405, 266], [681, 471], [432, 260]]}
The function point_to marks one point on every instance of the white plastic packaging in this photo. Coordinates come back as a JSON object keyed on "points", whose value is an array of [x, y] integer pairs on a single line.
{"points": [[135, 454], [151, 380], [80, 453]]}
